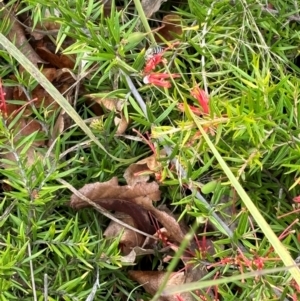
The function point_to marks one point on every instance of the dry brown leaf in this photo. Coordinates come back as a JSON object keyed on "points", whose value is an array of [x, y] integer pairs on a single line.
{"points": [[171, 27], [151, 6], [63, 121], [170, 224], [17, 36], [111, 104], [59, 78], [56, 60], [121, 123], [25, 127], [125, 199], [129, 238], [112, 190], [134, 200], [139, 171], [151, 281]]}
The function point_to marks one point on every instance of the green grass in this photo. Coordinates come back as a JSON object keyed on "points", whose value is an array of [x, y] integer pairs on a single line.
{"points": [[248, 161]]}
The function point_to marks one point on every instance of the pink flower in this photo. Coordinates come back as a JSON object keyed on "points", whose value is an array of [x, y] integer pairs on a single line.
{"points": [[202, 98], [159, 79], [296, 199]]}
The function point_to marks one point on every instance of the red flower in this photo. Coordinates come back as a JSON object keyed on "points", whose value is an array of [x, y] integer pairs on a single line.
{"points": [[3, 107], [158, 79], [202, 98], [154, 61], [194, 109]]}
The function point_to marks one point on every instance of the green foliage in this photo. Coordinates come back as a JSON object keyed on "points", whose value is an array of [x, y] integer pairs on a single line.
{"points": [[244, 56]]}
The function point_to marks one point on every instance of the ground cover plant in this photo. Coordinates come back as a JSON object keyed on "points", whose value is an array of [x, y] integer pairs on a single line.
{"points": [[149, 151]]}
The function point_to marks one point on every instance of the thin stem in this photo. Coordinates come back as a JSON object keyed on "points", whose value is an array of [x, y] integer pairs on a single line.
{"points": [[144, 20], [32, 274]]}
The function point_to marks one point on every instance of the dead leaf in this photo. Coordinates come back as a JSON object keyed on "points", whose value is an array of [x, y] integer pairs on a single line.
{"points": [[17, 36], [121, 123], [151, 6], [23, 128], [56, 60], [112, 190], [151, 281], [129, 238], [140, 171], [170, 224], [111, 196], [171, 27], [135, 200], [111, 104], [59, 78], [63, 121]]}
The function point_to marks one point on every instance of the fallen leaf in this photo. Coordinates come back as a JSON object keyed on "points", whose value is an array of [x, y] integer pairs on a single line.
{"points": [[59, 78], [121, 123], [56, 60], [23, 128], [135, 200], [151, 6], [16, 35], [170, 29], [125, 199], [140, 171], [151, 281], [129, 238], [111, 104], [62, 122], [174, 230]]}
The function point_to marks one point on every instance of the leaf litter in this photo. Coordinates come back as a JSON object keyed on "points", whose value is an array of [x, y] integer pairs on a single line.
{"points": [[133, 203]]}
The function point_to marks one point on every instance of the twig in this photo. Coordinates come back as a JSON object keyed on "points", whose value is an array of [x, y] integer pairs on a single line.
{"points": [[32, 273], [136, 94], [45, 287], [7, 211], [96, 285]]}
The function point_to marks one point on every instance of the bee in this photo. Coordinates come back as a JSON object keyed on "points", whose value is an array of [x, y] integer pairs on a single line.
{"points": [[152, 51]]}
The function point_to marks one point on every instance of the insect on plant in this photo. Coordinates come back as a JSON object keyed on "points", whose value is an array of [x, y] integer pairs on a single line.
{"points": [[152, 51]]}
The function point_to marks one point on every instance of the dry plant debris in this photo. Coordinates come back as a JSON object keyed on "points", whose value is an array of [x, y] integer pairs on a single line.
{"points": [[137, 203]]}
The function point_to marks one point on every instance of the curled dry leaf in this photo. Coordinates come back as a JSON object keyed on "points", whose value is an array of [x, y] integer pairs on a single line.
{"points": [[140, 171], [17, 36], [129, 238], [121, 123], [125, 199], [26, 125], [135, 201], [111, 104], [173, 229], [171, 27], [62, 122], [151, 6], [152, 280]]}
